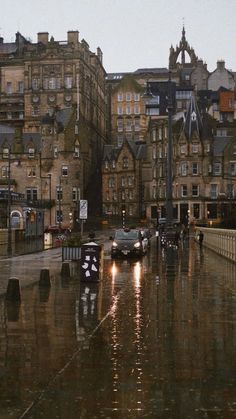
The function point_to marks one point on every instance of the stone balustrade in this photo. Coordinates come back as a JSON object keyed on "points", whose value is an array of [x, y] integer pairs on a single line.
{"points": [[221, 241]]}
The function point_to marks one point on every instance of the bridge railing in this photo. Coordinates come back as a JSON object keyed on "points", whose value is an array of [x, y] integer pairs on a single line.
{"points": [[221, 241]]}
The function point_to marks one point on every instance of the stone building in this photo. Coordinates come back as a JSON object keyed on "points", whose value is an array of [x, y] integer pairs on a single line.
{"points": [[122, 180], [55, 92]]}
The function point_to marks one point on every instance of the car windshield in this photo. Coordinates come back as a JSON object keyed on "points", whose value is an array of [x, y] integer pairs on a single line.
{"points": [[126, 235]]}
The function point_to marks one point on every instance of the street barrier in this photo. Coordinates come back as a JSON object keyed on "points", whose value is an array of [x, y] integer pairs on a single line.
{"points": [[90, 264]]}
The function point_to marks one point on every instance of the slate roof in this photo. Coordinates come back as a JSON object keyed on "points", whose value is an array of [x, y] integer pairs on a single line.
{"points": [[7, 136], [111, 152]]}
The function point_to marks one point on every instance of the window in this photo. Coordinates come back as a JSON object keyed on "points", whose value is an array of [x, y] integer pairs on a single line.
{"points": [[59, 193], [128, 125], [160, 133], [123, 181], [130, 180], [9, 115], [120, 125], [152, 111], [31, 152], [136, 109], [136, 97], [128, 97], [106, 164], [5, 153], [154, 152], [234, 149], [125, 162], [195, 190], [183, 169], [217, 168], [114, 196], [59, 216], [213, 191], [75, 194], [55, 152], [128, 109], [119, 140], [113, 164], [183, 149], [111, 182], [221, 132], [35, 111], [207, 148], [136, 125], [184, 190], [35, 84], [196, 210], [20, 87], [195, 168], [31, 171], [5, 171], [31, 194], [52, 83], [195, 148], [76, 152], [64, 171], [154, 192], [68, 82], [154, 135], [9, 88], [230, 191], [119, 97], [119, 109], [233, 169]]}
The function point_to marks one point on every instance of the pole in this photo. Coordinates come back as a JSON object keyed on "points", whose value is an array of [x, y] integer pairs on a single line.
{"points": [[50, 198], [169, 202], [59, 204], [9, 241]]}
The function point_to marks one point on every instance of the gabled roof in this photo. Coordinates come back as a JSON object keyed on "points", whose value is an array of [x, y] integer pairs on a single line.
{"points": [[111, 152]]}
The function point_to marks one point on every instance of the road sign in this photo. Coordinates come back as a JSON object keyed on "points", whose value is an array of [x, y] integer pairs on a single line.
{"points": [[83, 209]]}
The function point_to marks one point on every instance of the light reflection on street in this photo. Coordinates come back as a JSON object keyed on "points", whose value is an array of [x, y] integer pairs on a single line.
{"points": [[154, 338]]}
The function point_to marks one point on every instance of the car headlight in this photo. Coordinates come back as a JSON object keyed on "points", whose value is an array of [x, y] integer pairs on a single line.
{"points": [[114, 244], [137, 245]]}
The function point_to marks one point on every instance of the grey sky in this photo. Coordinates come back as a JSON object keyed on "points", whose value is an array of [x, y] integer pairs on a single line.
{"points": [[131, 33]]}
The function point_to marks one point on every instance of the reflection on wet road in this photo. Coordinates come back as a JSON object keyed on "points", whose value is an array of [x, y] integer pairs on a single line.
{"points": [[153, 339]]}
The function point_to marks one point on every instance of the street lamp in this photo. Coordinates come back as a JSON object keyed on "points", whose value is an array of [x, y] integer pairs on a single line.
{"points": [[9, 231], [170, 234]]}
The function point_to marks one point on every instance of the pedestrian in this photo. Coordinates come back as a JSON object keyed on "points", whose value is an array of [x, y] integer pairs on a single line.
{"points": [[200, 238]]}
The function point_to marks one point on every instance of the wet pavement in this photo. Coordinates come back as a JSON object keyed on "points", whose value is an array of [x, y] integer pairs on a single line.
{"points": [[152, 339]]}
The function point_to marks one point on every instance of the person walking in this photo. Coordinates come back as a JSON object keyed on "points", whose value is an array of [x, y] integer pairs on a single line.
{"points": [[200, 238]]}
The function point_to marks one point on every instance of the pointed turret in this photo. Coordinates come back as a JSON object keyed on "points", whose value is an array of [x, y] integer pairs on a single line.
{"points": [[193, 121]]}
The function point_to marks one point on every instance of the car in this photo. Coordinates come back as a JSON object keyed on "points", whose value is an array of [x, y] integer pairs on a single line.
{"points": [[127, 242]]}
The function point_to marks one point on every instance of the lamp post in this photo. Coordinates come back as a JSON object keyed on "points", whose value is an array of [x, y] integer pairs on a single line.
{"points": [[50, 197], [59, 204], [170, 234], [9, 241]]}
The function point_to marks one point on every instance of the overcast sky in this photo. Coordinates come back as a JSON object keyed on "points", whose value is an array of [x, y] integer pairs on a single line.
{"points": [[131, 33]]}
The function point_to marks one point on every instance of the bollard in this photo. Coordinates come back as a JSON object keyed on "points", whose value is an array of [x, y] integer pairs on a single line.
{"points": [[13, 290], [44, 278], [65, 270]]}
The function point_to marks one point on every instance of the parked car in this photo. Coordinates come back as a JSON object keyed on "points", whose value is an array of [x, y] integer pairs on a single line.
{"points": [[127, 242]]}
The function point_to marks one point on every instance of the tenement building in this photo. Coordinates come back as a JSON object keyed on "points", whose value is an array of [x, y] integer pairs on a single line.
{"points": [[54, 92]]}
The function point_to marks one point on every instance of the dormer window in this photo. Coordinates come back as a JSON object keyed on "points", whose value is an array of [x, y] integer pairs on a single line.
{"points": [[113, 164], [106, 164]]}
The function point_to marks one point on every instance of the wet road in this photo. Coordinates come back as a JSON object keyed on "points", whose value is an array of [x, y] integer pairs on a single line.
{"points": [[153, 339]]}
